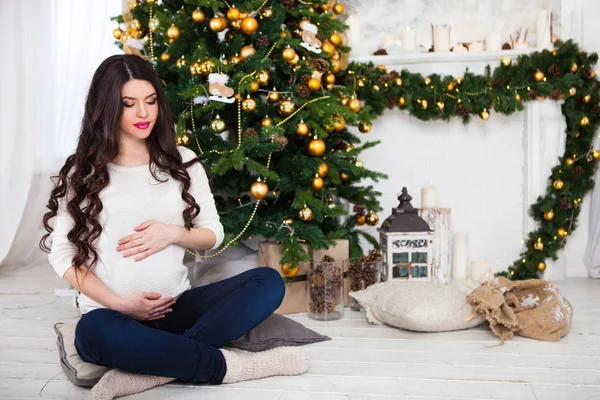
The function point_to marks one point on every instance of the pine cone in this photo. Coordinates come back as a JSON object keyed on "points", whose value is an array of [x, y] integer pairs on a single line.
{"points": [[564, 203], [555, 94], [578, 171], [282, 141], [506, 46], [499, 82], [597, 110], [359, 209], [589, 74], [554, 70], [532, 94], [288, 3], [385, 78], [250, 132], [390, 102], [462, 110], [321, 65], [305, 78], [262, 41], [303, 90], [380, 52]]}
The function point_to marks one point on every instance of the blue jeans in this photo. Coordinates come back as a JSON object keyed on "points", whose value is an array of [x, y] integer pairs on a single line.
{"points": [[185, 343]]}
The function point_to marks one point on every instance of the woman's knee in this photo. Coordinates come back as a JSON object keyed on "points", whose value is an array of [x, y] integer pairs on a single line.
{"points": [[273, 283], [92, 333]]}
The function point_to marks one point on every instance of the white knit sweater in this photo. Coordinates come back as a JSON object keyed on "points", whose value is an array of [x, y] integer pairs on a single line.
{"points": [[133, 196]]}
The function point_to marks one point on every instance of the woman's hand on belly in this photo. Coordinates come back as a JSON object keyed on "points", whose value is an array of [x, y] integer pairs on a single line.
{"points": [[145, 306], [150, 237]]}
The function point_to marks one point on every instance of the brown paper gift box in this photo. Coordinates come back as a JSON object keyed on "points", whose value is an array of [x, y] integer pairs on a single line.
{"points": [[295, 300]]}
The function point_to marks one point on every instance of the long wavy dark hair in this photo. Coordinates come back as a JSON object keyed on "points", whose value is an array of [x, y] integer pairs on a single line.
{"points": [[85, 173]]}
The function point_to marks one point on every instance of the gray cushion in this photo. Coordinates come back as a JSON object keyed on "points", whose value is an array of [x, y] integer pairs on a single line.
{"points": [[79, 372]]}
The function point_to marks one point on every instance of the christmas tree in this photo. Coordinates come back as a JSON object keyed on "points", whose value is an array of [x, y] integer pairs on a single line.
{"points": [[261, 92]]}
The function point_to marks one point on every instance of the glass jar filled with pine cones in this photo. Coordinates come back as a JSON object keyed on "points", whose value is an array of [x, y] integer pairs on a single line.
{"points": [[366, 271], [325, 280]]}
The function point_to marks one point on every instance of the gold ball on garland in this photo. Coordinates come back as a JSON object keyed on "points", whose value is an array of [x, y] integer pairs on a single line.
{"points": [[558, 184], [247, 51], [587, 98], [327, 47], [539, 246], [248, 105], [584, 121], [427, 81], [344, 176], [273, 96], [207, 67], [195, 68], [198, 16], [596, 154], [305, 214], [288, 54], [135, 24], [572, 91], [372, 218], [259, 189], [217, 125], [164, 57], [484, 115], [376, 88], [398, 81], [314, 84], [591, 74], [518, 97], [237, 25], [568, 161], [267, 13], [339, 123], [317, 183], [359, 163], [249, 25], [441, 105], [541, 266], [401, 101], [289, 270], [243, 14], [354, 104], [185, 139], [173, 32], [266, 121], [562, 232], [336, 65], [180, 63], [450, 86], [361, 84], [574, 67], [335, 39], [288, 221], [459, 80], [217, 24], [323, 170], [364, 127], [360, 219], [316, 147], [263, 77], [286, 107], [302, 129], [254, 86], [237, 59], [233, 14], [538, 76], [549, 215], [506, 61], [117, 33], [424, 104], [338, 8], [330, 78], [153, 24]]}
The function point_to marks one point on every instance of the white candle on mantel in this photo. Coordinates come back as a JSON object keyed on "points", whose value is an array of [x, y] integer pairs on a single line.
{"points": [[493, 42], [429, 197], [408, 38], [441, 38], [460, 256], [480, 271]]}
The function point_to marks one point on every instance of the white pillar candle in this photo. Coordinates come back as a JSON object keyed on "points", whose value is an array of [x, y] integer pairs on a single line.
{"points": [[460, 256], [543, 32], [408, 38], [480, 271], [429, 197], [441, 38], [493, 42]]}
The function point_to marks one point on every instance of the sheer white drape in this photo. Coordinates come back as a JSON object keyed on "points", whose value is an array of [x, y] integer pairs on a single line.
{"points": [[51, 52]]}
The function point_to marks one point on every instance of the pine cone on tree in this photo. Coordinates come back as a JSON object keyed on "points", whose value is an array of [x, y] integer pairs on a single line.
{"points": [[321, 65], [564, 203], [303, 90], [390, 102], [462, 110], [532, 94], [578, 171], [250, 132], [262, 41], [282, 141], [499, 82], [555, 94], [288, 3], [554, 69], [305, 78]]}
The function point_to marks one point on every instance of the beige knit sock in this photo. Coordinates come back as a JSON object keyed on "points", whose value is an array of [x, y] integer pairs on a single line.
{"points": [[117, 383], [244, 365]]}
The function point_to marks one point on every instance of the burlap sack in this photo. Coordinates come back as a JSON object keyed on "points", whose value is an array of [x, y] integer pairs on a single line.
{"points": [[533, 308]]}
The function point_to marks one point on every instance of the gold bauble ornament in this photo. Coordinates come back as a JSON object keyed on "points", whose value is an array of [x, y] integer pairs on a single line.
{"points": [[247, 51], [424, 104], [360, 219], [267, 13], [354, 104], [236, 59], [249, 25], [441, 105], [248, 105], [286, 107], [538, 76], [360, 83], [574, 67], [562, 232], [539, 246], [359, 163], [541, 266], [596, 154], [549, 215], [558, 184], [317, 183], [288, 54], [237, 25], [314, 84], [401, 101], [117, 33], [339, 123], [180, 63], [569, 161], [305, 214], [344, 101], [592, 74], [288, 221], [217, 125], [316, 147], [364, 127], [207, 67], [173, 32], [254, 86], [336, 65], [233, 14], [372, 219], [135, 24], [484, 115], [398, 81], [323, 170], [217, 24], [450, 86], [259, 189], [273, 96], [344, 176], [506, 61], [338, 8], [335, 39], [266, 121], [584, 121], [198, 16], [302, 129], [327, 47], [572, 91], [289, 270], [164, 57], [587, 98], [153, 24], [195, 68], [518, 97], [427, 81], [330, 78], [263, 77], [459, 80]]}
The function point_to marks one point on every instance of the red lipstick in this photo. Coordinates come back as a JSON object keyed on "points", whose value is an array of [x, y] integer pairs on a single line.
{"points": [[142, 125]]}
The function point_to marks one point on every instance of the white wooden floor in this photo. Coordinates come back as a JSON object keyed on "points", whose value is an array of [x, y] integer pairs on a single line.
{"points": [[361, 362]]}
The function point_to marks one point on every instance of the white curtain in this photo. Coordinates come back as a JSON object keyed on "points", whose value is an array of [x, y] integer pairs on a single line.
{"points": [[51, 51], [591, 258]]}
